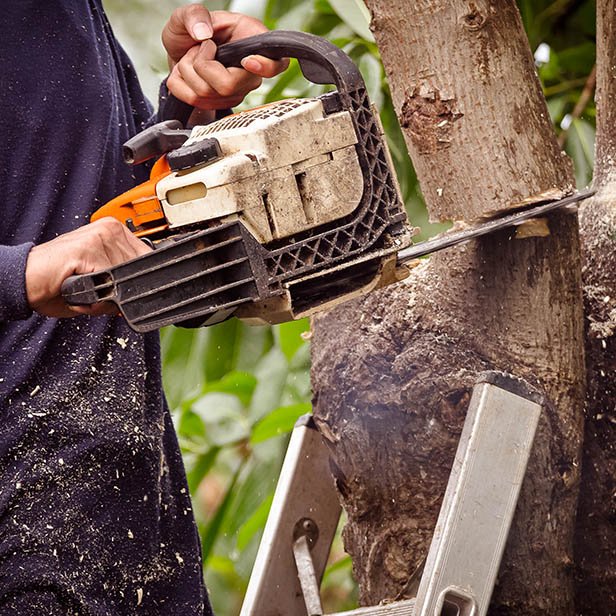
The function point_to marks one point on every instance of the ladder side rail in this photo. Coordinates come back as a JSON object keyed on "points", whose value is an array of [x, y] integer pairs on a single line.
{"points": [[305, 496], [480, 499]]}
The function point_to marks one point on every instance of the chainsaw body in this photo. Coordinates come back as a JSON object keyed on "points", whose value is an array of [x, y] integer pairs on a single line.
{"points": [[267, 214]]}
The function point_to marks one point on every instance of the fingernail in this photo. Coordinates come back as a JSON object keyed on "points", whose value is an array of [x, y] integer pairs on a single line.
{"points": [[251, 64], [202, 31]]}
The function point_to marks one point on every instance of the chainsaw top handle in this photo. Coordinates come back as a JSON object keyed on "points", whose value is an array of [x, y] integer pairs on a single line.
{"points": [[320, 62]]}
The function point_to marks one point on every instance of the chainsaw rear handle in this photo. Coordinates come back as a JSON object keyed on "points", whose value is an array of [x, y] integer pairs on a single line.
{"points": [[320, 61], [80, 290]]}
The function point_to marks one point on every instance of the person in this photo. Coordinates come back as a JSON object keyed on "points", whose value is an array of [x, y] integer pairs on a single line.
{"points": [[95, 516]]}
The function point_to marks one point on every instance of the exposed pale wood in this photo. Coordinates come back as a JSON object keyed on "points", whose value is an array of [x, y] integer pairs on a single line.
{"points": [[595, 546], [392, 372]]}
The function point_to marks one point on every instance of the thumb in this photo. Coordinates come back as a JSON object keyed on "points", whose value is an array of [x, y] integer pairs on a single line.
{"points": [[197, 21], [187, 26]]}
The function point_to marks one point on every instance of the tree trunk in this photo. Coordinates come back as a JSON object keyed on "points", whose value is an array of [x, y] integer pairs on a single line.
{"points": [[596, 527], [392, 371]]}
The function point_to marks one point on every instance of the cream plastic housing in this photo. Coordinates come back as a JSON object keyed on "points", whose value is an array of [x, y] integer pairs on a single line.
{"points": [[285, 168]]}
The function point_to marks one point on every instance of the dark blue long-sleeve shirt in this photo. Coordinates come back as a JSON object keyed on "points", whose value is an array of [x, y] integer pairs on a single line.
{"points": [[95, 516]]}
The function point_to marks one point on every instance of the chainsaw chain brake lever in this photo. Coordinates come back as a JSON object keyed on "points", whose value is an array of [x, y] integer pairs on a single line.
{"points": [[320, 62], [154, 141]]}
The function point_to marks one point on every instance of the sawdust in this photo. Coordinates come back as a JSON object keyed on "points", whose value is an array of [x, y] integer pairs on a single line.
{"points": [[86, 455]]}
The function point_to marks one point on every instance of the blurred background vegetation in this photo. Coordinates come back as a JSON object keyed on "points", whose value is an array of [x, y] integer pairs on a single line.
{"points": [[235, 390]]}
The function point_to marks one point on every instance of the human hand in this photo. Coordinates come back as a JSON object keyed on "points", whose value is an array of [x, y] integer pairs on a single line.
{"points": [[96, 246], [191, 37]]}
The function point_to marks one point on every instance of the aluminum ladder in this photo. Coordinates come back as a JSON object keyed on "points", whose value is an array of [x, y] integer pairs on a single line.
{"points": [[470, 535]]}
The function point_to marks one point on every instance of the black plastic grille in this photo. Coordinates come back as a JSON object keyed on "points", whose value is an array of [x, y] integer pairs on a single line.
{"points": [[379, 216]]}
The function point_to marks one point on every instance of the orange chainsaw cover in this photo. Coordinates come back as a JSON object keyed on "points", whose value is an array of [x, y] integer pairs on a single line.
{"points": [[140, 205]]}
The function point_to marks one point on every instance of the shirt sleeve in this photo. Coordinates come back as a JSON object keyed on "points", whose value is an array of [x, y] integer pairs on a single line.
{"points": [[13, 301]]}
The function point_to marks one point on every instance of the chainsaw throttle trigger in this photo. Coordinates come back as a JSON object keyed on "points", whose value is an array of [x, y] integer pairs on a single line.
{"points": [[320, 61]]}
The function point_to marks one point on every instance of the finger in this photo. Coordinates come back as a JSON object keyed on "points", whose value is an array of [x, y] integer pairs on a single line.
{"points": [[230, 27], [108, 243], [192, 19], [177, 86], [125, 246], [187, 25], [175, 82], [138, 247], [183, 82], [225, 81], [185, 71], [234, 26], [197, 20], [264, 67], [213, 81], [180, 90]]}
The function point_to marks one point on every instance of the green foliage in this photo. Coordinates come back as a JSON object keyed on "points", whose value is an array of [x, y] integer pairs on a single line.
{"points": [[233, 415], [235, 390], [567, 27], [580, 146]]}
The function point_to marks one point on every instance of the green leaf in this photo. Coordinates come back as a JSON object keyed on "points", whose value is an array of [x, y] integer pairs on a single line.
{"points": [[271, 373], [578, 59], [289, 336], [295, 18], [580, 146], [257, 482], [556, 107], [221, 564], [190, 425], [254, 8], [277, 10], [211, 533], [300, 362], [200, 468], [292, 79], [239, 384], [323, 7], [372, 72], [280, 421], [183, 352], [254, 523], [551, 70], [584, 20], [253, 342], [342, 563], [298, 381], [223, 416], [221, 349], [355, 14]]}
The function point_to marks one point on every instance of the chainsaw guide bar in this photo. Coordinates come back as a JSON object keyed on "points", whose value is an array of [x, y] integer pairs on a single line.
{"points": [[269, 214], [448, 239]]}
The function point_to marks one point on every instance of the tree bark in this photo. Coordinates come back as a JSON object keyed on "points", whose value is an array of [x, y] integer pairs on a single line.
{"points": [[392, 372], [595, 547]]}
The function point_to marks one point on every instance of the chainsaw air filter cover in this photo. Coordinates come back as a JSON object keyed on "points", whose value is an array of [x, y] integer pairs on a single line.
{"points": [[282, 169], [272, 213]]}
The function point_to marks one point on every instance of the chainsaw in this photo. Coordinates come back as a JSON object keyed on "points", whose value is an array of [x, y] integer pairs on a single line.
{"points": [[269, 214]]}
